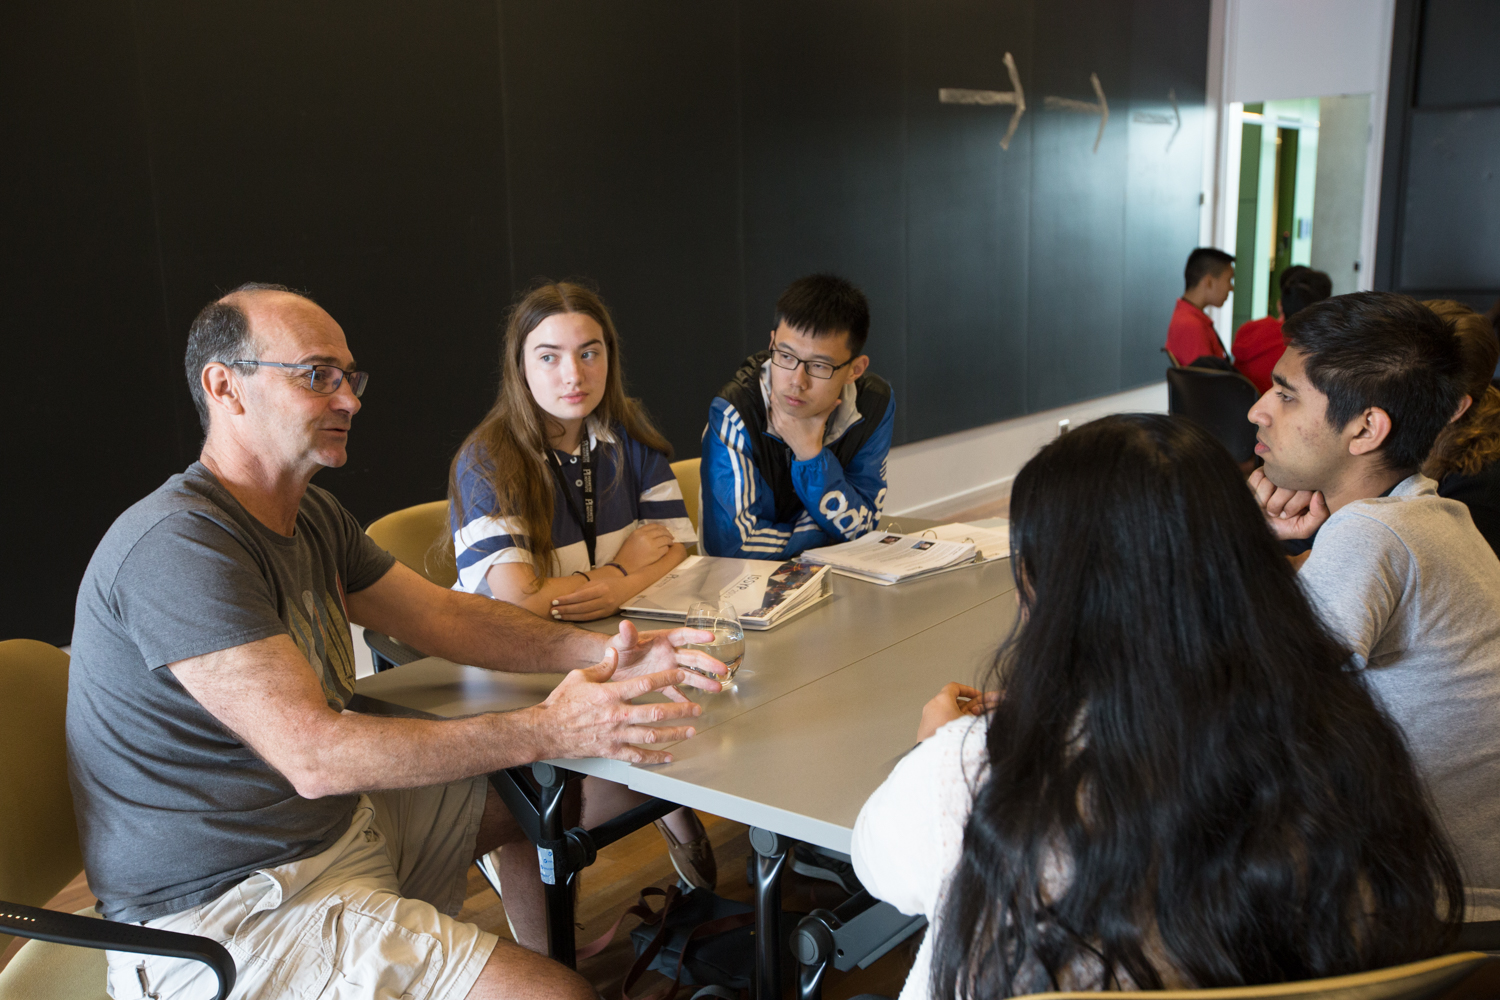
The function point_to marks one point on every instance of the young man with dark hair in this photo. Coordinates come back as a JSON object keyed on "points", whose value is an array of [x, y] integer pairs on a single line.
{"points": [[1365, 385], [1258, 343], [795, 449], [1209, 278]]}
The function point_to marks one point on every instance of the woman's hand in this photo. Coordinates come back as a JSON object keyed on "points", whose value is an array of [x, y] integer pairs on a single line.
{"points": [[952, 702], [598, 599], [646, 545]]}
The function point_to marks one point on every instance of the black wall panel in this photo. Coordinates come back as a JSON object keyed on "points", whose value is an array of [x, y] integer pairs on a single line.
{"points": [[416, 166], [354, 150], [824, 185], [1077, 205], [1165, 160], [89, 406], [1451, 236], [1439, 195], [969, 204], [623, 150], [1458, 42]]}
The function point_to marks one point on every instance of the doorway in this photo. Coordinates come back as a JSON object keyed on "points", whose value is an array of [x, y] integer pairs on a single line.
{"points": [[1278, 192]]}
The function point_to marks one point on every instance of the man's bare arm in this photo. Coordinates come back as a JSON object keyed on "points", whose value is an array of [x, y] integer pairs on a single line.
{"points": [[467, 628], [268, 695]]}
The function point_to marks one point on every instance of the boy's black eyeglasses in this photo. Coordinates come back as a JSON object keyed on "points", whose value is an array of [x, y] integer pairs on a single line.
{"points": [[817, 369], [323, 378]]}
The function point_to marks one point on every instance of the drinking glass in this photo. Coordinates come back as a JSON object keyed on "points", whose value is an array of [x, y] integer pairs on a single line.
{"points": [[728, 645]]}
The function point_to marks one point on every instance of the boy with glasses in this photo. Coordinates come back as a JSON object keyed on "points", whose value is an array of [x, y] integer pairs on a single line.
{"points": [[795, 449]]}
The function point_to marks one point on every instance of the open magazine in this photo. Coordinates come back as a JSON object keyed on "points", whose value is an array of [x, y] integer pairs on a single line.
{"points": [[885, 558], [765, 592]]}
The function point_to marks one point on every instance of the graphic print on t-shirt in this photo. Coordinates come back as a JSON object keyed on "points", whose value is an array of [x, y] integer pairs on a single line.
{"points": [[322, 635]]}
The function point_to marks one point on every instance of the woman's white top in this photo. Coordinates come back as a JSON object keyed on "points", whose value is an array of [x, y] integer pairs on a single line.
{"points": [[910, 833]]}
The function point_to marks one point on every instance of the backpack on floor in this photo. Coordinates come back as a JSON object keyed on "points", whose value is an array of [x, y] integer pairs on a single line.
{"points": [[697, 938]]}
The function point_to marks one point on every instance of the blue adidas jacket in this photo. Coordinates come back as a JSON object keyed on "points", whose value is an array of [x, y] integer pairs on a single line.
{"points": [[738, 512]]}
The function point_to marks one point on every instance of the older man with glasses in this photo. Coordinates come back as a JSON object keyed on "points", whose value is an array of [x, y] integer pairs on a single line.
{"points": [[795, 449], [223, 788]]}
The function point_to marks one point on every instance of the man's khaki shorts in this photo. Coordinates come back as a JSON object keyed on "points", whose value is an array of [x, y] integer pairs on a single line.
{"points": [[369, 917]]}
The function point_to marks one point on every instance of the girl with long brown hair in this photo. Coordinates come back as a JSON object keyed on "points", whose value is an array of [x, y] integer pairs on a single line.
{"points": [[530, 527], [562, 501]]}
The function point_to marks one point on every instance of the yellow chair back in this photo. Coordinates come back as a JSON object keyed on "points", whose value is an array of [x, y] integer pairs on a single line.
{"points": [[39, 853], [418, 537], [686, 472], [1415, 981]]}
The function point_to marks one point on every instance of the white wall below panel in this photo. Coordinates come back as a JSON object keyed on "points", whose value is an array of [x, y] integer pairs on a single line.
{"points": [[984, 460]]}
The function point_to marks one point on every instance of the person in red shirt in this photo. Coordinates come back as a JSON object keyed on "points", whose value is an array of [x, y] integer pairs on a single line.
{"points": [[1258, 344], [1209, 278]]}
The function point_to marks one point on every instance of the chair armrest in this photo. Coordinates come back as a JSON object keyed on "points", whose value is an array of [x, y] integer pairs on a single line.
{"points": [[88, 932]]}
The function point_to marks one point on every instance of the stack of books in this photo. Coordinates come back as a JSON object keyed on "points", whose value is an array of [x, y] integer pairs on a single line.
{"points": [[765, 592], [885, 558]]}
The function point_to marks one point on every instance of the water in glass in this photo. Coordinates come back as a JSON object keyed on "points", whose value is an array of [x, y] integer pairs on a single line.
{"points": [[728, 645]]}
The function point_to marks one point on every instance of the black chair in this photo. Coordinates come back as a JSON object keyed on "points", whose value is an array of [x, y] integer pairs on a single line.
{"points": [[1219, 401]]}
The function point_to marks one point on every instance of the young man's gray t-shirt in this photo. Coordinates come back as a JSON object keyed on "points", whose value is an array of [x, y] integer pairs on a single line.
{"points": [[1414, 589], [173, 808]]}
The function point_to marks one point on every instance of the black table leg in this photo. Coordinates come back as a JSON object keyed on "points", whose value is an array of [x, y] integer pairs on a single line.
{"points": [[813, 945], [557, 869], [540, 804], [771, 852]]}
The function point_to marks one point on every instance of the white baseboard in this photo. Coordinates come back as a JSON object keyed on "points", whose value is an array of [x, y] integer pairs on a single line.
{"points": [[946, 507], [973, 466]]}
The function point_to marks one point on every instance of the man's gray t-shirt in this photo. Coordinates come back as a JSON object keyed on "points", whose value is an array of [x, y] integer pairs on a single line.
{"points": [[173, 809], [1409, 583]]}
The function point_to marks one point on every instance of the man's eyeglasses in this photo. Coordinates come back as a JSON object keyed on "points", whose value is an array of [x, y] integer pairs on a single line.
{"points": [[817, 369], [322, 378]]}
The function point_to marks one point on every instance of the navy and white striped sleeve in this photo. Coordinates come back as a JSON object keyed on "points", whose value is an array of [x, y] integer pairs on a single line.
{"points": [[481, 537], [739, 512], [661, 499]]}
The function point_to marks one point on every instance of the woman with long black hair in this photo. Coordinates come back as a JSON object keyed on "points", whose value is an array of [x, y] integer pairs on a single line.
{"points": [[1175, 778]]}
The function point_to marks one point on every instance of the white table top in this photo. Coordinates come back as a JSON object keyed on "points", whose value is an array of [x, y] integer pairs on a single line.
{"points": [[803, 764], [820, 712]]}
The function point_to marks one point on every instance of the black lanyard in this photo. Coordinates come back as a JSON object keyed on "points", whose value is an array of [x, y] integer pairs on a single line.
{"points": [[585, 517]]}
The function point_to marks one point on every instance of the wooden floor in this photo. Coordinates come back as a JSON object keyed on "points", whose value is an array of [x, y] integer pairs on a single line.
{"points": [[613, 883], [615, 880]]}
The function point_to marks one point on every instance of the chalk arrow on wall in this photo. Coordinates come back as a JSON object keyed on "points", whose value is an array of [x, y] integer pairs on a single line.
{"points": [[1100, 108], [1015, 96], [1146, 118]]}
